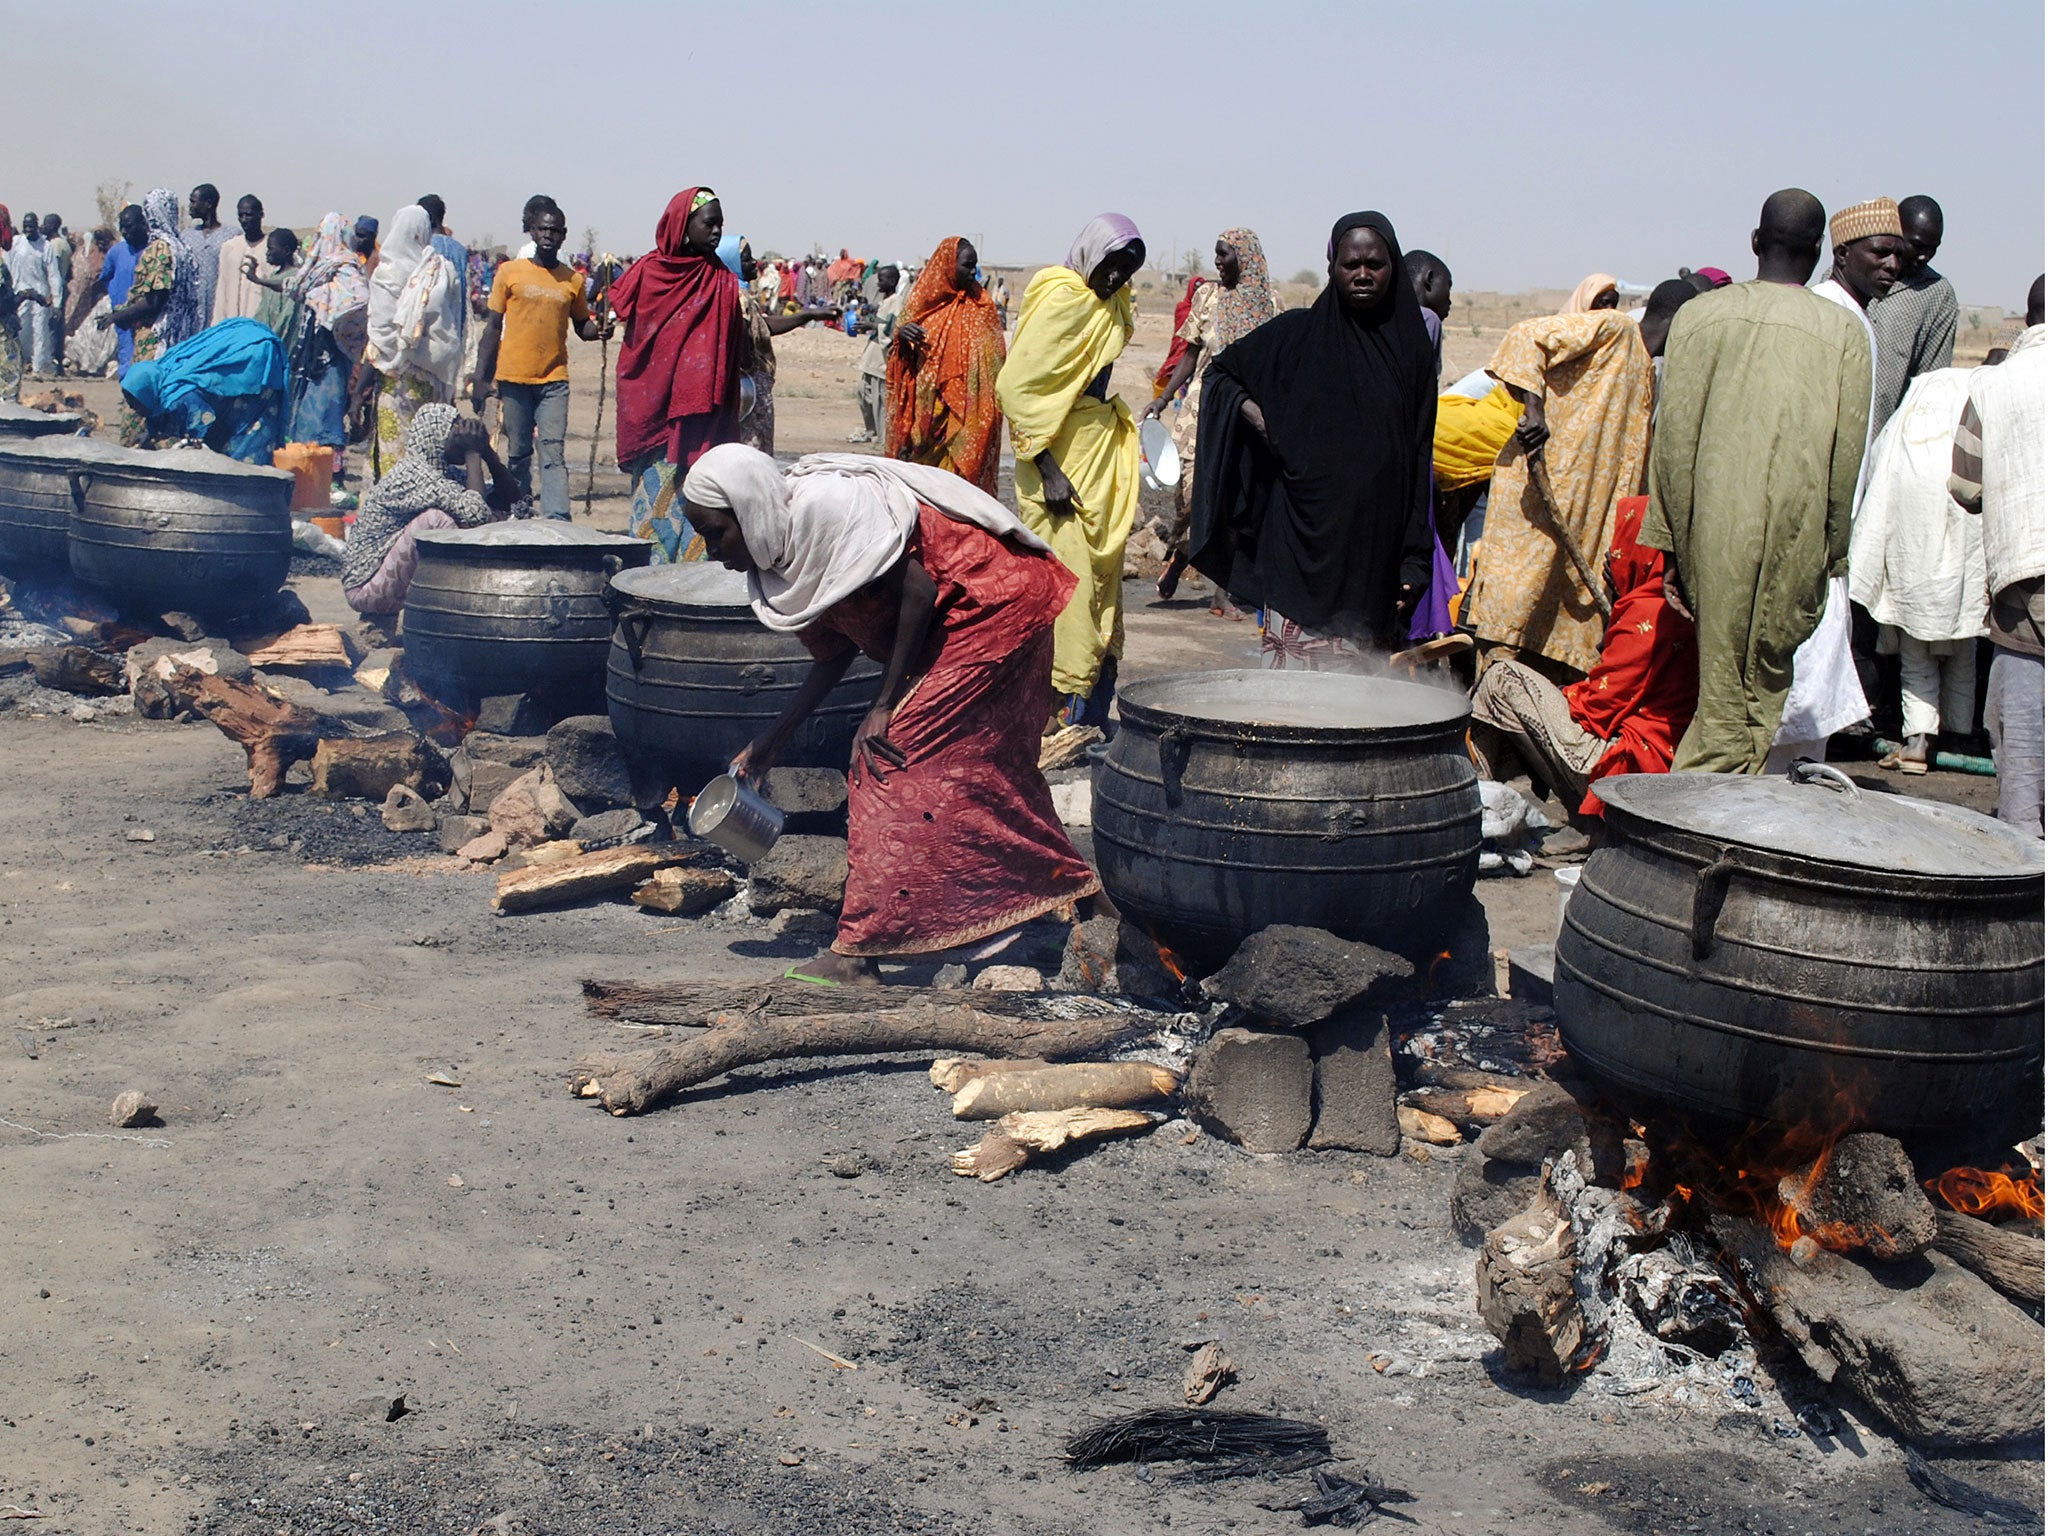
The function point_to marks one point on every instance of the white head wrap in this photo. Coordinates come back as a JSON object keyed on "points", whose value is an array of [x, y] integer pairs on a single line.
{"points": [[415, 303], [834, 523]]}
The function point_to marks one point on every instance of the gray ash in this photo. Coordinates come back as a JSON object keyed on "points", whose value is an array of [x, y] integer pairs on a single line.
{"points": [[317, 830]]}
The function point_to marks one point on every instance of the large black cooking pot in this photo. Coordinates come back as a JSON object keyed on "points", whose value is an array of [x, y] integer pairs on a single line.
{"points": [[693, 676], [515, 607], [1800, 951], [181, 528], [1230, 801], [18, 422], [37, 494]]}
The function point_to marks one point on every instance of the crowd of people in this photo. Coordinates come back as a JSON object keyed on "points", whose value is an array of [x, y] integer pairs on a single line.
{"points": [[1707, 533]]}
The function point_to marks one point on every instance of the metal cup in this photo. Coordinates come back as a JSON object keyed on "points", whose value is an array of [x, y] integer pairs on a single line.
{"points": [[731, 815]]}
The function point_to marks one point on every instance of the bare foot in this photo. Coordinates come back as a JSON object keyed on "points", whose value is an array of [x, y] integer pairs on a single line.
{"points": [[840, 970]]}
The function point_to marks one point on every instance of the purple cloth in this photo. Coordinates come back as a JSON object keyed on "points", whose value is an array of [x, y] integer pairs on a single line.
{"points": [[1433, 613], [384, 592]]}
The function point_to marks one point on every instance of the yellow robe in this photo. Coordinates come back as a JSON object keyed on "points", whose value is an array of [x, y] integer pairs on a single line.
{"points": [[1066, 336]]}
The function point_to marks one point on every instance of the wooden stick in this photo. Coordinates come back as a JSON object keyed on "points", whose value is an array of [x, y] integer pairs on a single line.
{"points": [[1085, 1084], [1465, 1106], [838, 1360], [1018, 1138], [627, 1085], [1539, 476], [572, 879], [696, 1003], [2009, 1262]]}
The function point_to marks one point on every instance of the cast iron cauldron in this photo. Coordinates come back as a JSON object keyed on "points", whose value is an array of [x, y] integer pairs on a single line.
{"points": [[181, 528], [1230, 801], [37, 495], [515, 607], [18, 422], [693, 676], [1800, 951]]}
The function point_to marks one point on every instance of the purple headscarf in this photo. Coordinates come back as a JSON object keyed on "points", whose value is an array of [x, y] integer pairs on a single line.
{"points": [[1100, 237]]}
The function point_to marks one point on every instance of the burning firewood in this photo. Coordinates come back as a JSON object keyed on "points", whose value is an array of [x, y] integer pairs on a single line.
{"points": [[69, 669], [1421, 1125], [1018, 1138], [572, 879], [2009, 1262], [696, 1003], [1467, 1107], [1526, 1292], [628, 1085], [1088, 1084]]}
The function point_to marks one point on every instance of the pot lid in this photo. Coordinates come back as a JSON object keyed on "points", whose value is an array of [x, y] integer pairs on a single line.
{"points": [[533, 535], [689, 584], [99, 453], [1817, 813], [1306, 704], [19, 418]]}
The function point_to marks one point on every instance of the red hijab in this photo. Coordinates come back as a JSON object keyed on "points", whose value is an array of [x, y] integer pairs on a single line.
{"points": [[6, 229], [681, 358]]}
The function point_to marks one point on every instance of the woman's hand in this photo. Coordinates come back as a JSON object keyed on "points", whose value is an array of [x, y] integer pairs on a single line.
{"points": [[872, 748], [1054, 485], [479, 392], [1256, 420], [1158, 407], [1533, 431], [1672, 594], [1404, 605], [755, 759]]}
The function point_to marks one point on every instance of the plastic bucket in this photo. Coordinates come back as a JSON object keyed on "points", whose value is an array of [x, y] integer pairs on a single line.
{"points": [[1567, 882], [731, 815], [312, 467]]}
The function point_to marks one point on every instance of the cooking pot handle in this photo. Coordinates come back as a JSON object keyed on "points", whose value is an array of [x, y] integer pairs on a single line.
{"points": [[613, 564], [1173, 760], [633, 634], [1709, 891], [1821, 773]]}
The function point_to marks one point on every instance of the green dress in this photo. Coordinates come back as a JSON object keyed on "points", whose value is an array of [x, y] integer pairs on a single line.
{"points": [[1759, 440]]}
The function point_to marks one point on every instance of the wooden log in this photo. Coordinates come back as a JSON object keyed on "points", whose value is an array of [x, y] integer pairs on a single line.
{"points": [[303, 645], [952, 1073], [1466, 1107], [274, 733], [2009, 1262], [76, 669], [1208, 1373], [1018, 1139], [1421, 1125], [1085, 1084], [1431, 1074], [1066, 746], [682, 892], [697, 1003], [573, 879], [1526, 1296], [627, 1085]]}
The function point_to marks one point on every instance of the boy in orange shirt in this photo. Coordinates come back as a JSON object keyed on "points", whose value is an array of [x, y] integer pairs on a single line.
{"points": [[524, 355]]}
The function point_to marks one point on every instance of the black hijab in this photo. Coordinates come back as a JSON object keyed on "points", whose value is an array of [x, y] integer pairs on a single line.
{"points": [[1330, 521]]}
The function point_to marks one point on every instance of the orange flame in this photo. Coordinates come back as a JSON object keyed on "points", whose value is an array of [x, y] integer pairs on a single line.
{"points": [[1988, 1193]]}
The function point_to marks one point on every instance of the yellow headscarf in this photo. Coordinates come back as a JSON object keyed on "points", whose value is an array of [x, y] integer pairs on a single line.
{"points": [[1470, 435]]}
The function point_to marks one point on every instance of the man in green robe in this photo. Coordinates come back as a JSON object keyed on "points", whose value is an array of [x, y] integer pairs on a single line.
{"points": [[1759, 440]]}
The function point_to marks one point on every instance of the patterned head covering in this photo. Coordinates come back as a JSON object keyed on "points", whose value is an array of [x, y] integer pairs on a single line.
{"points": [[1250, 304], [1588, 290], [422, 479], [700, 196], [1101, 237], [334, 283], [180, 315], [1859, 221]]}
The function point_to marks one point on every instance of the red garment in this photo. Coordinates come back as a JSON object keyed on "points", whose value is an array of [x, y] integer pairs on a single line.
{"points": [[845, 269], [788, 291], [1179, 347], [963, 843], [944, 411], [681, 356], [1641, 694]]}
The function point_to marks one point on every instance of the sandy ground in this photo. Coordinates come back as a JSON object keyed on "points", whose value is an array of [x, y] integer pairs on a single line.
{"points": [[604, 1325]]}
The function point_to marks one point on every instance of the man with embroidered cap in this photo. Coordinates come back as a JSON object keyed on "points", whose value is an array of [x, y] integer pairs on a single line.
{"points": [[1760, 434], [1916, 321]]}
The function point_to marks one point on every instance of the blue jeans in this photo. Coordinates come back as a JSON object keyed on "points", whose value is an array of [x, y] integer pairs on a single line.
{"points": [[542, 409]]}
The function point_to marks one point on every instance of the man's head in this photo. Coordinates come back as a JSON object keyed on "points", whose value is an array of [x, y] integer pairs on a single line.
{"points": [[1869, 248], [103, 239], [1665, 301], [550, 232], [2034, 303], [1432, 280], [365, 238], [281, 248], [53, 225], [32, 226], [249, 214], [134, 226], [1920, 221], [886, 279], [536, 205], [1788, 236], [205, 203], [436, 211]]}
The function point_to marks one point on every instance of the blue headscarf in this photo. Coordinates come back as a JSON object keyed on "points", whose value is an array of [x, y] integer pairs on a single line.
{"points": [[232, 374], [729, 252]]}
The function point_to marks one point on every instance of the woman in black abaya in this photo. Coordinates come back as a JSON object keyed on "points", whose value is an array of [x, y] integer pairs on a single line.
{"points": [[1311, 494]]}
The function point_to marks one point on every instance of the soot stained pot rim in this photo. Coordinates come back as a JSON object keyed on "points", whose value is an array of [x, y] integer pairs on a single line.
{"points": [[534, 542], [687, 589], [1275, 708]]}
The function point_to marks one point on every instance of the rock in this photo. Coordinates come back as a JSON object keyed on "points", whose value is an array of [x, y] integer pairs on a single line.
{"points": [[485, 765], [1487, 1193], [511, 714], [365, 768], [183, 625], [1089, 961], [377, 1409], [132, 1109], [1863, 1191], [1500, 1175], [275, 612], [216, 658], [1074, 803], [1292, 977], [454, 831], [406, 810], [1009, 978], [588, 764], [1544, 1123], [1355, 1088], [950, 976], [683, 892], [804, 873], [620, 826], [806, 791], [531, 809], [485, 849], [1252, 1087], [1933, 1350]]}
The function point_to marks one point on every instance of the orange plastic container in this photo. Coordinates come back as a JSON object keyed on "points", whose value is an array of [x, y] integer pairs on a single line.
{"points": [[335, 526], [312, 467]]}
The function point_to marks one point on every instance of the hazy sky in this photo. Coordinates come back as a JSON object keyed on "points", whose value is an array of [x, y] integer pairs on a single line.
{"points": [[1526, 143]]}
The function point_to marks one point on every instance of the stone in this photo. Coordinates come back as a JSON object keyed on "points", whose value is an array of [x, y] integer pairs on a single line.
{"points": [[1863, 1192], [484, 766], [609, 827], [454, 831], [365, 767], [948, 977], [378, 1409], [803, 873], [1293, 977], [1074, 803], [521, 752], [182, 625], [1355, 1088], [587, 763], [485, 848], [806, 791], [1088, 963], [406, 810], [216, 658], [132, 1109], [531, 809], [1009, 978], [1931, 1349], [1502, 1172], [511, 714], [1253, 1087], [1487, 1193]]}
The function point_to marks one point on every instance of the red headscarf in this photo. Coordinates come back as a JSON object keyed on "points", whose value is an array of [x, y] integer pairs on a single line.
{"points": [[1643, 690], [1181, 311], [6, 229], [681, 358], [944, 411]]}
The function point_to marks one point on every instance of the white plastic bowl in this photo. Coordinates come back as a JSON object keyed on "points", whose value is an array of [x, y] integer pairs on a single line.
{"points": [[1159, 460]]}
